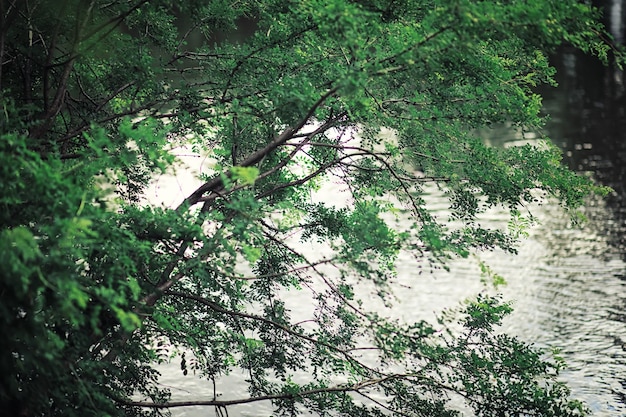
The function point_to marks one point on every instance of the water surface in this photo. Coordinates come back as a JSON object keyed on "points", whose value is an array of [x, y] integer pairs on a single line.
{"points": [[568, 284]]}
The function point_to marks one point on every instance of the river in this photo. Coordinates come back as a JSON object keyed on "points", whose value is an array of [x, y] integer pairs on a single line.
{"points": [[568, 284]]}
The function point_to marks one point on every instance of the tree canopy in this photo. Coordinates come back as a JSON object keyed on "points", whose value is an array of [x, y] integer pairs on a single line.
{"points": [[281, 96]]}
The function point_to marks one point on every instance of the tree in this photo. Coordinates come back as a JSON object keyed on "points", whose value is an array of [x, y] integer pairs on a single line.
{"points": [[282, 95]]}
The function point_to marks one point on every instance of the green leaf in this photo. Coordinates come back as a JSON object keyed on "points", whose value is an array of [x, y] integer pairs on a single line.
{"points": [[247, 175]]}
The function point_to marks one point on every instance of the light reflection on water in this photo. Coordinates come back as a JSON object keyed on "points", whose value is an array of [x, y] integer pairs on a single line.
{"points": [[567, 284]]}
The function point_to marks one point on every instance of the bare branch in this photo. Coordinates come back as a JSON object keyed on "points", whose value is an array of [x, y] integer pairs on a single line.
{"points": [[288, 395], [225, 403]]}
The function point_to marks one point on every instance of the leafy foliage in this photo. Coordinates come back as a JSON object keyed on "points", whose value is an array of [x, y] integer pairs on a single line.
{"points": [[98, 285]]}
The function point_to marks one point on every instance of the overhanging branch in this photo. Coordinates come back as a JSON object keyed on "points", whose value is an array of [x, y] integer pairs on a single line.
{"points": [[217, 308], [216, 183], [283, 396]]}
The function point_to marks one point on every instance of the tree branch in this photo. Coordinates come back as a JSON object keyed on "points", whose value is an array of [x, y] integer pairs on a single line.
{"points": [[219, 309], [287, 395], [225, 403], [217, 184], [241, 61], [324, 279], [57, 102], [310, 176], [6, 17]]}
